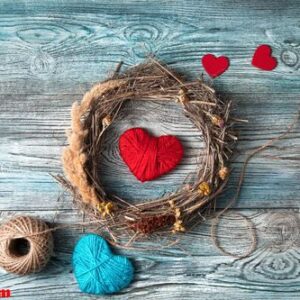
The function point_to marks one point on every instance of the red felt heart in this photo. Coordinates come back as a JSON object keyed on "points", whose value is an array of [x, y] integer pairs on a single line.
{"points": [[149, 157], [215, 66], [263, 58]]}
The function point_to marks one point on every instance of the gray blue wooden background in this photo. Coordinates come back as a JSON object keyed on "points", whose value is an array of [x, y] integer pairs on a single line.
{"points": [[51, 52]]}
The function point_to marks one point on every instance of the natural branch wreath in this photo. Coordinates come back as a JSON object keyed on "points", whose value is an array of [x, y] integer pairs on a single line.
{"points": [[99, 108]]}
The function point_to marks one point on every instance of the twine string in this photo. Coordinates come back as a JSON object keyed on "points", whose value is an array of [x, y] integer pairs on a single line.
{"points": [[26, 245], [249, 224]]}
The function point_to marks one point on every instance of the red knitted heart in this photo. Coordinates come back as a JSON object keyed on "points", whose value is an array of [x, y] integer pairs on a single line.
{"points": [[263, 58], [215, 66], [149, 157]]}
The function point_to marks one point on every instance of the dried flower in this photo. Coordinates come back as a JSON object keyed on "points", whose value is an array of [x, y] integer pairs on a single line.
{"points": [[218, 121], [177, 213], [178, 226], [204, 189], [105, 208], [172, 204], [106, 121], [223, 173], [183, 98]]}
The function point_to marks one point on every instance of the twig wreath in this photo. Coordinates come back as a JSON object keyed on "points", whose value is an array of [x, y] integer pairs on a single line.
{"points": [[150, 81]]}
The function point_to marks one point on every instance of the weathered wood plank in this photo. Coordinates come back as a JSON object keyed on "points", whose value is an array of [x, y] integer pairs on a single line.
{"points": [[33, 135], [52, 51], [192, 267], [44, 51], [49, 60]]}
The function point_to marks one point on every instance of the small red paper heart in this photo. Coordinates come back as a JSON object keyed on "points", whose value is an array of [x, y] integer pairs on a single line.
{"points": [[215, 66], [263, 58], [149, 157]]}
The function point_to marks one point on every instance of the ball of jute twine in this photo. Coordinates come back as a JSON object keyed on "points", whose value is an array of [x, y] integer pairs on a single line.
{"points": [[26, 245]]}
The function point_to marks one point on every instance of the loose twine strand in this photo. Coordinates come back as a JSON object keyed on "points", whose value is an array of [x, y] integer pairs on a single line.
{"points": [[249, 224]]}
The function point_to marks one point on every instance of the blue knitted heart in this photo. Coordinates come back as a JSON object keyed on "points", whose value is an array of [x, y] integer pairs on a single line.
{"points": [[97, 270]]}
